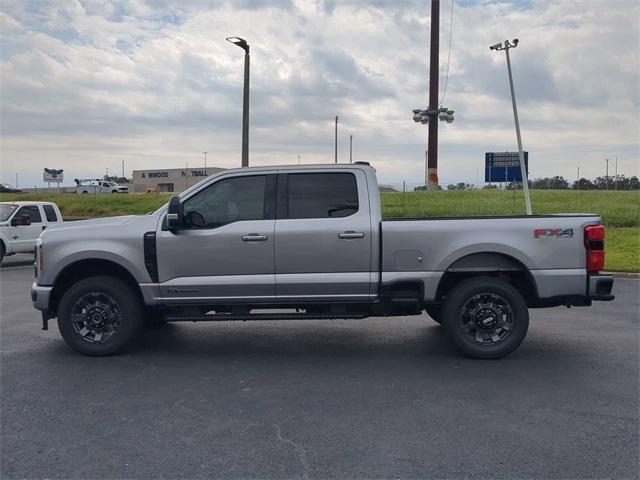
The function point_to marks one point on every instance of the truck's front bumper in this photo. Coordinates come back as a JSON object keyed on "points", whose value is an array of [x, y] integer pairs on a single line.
{"points": [[40, 297], [600, 287]]}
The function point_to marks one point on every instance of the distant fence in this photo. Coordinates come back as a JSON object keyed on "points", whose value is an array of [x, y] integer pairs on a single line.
{"points": [[417, 187]]}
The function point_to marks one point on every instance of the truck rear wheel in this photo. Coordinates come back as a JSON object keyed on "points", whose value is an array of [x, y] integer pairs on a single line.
{"points": [[486, 317], [99, 315]]}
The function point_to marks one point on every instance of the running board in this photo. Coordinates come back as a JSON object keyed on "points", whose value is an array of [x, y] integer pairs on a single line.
{"points": [[226, 317]]}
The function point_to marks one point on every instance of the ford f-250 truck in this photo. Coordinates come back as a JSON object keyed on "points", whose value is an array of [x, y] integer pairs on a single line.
{"points": [[311, 243]]}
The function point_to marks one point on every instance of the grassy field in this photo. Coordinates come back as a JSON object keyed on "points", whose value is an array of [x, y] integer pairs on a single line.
{"points": [[620, 211]]}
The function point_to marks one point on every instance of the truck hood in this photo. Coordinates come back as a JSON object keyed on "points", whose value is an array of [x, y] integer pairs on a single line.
{"points": [[96, 222]]}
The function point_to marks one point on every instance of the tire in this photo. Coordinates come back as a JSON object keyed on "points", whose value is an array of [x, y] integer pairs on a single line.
{"points": [[435, 312], [1, 252], [84, 191], [111, 303], [485, 317]]}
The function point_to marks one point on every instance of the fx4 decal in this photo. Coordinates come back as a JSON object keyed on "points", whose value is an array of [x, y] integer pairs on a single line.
{"points": [[553, 232]]}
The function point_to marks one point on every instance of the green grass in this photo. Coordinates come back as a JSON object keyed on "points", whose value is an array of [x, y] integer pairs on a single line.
{"points": [[623, 250], [74, 206], [620, 211]]}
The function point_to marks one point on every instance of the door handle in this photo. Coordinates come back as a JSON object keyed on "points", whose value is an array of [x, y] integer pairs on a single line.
{"points": [[350, 235], [254, 237]]}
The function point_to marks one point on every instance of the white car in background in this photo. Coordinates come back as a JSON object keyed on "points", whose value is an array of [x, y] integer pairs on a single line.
{"points": [[99, 186], [22, 222]]}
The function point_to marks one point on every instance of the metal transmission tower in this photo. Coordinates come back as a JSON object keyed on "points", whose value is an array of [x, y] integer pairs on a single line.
{"points": [[523, 170]]}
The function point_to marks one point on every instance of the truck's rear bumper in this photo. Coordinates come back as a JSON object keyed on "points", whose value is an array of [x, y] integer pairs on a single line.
{"points": [[600, 286]]}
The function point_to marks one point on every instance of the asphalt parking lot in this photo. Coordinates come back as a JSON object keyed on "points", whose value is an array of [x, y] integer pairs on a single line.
{"points": [[374, 398]]}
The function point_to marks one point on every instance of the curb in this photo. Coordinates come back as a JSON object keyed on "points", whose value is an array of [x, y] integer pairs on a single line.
{"points": [[626, 275]]}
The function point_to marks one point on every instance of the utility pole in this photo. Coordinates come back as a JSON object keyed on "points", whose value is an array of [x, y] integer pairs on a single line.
{"points": [[123, 170], [523, 169], [107, 170], [434, 61], [298, 159], [615, 182], [17, 181], [336, 142], [350, 148], [606, 175], [578, 180]]}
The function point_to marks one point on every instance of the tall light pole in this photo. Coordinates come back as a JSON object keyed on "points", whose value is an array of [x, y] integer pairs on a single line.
{"points": [[606, 175], [336, 142], [615, 182], [123, 170], [205, 162], [523, 170], [350, 148], [241, 42], [17, 181], [434, 75]]}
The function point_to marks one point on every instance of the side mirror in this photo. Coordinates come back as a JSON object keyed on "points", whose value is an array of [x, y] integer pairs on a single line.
{"points": [[174, 213], [23, 220]]}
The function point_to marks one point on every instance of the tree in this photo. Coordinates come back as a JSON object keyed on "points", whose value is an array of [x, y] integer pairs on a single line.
{"points": [[552, 183]]}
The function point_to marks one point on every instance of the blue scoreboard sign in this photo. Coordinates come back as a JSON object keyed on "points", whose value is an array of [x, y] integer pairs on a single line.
{"points": [[504, 166]]}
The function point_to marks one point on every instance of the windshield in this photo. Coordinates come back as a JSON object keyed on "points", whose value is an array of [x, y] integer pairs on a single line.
{"points": [[6, 209], [113, 184]]}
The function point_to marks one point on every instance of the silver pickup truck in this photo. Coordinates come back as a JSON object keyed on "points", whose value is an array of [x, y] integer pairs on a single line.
{"points": [[310, 243]]}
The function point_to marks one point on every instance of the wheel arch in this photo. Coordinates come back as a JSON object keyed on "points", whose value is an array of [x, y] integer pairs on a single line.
{"points": [[85, 268], [495, 264]]}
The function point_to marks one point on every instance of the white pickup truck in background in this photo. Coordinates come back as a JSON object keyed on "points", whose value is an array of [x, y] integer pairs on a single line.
{"points": [[22, 222], [99, 186]]}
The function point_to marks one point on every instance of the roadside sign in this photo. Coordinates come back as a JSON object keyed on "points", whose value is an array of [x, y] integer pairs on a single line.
{"points": [[504, 166], [52, 175]]}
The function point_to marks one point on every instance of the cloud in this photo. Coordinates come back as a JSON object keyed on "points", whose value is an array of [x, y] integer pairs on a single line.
{"points": [[86, 84]]}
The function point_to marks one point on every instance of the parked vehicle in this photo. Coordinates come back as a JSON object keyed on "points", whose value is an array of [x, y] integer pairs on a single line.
{"points": [[22, 222], [99, 186], [6, 188], [312, 239]]}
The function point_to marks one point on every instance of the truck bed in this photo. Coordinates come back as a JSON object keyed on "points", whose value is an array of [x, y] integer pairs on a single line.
{"points": [[550, 247]]}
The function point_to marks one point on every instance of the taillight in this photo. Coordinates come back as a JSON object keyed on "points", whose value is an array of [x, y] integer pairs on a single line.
{"points": [[594, 243]]}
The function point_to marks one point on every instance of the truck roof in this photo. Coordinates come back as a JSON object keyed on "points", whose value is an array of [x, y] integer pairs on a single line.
{"points": [[28, 202], [308, 166]]}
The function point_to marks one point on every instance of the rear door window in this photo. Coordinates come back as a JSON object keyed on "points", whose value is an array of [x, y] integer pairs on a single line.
{"points": [[322, 195], [50, 213]]}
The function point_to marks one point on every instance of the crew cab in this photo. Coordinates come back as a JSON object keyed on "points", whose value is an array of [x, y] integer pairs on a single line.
{"points": [[309, 242], [99, 186], [22, 222]]}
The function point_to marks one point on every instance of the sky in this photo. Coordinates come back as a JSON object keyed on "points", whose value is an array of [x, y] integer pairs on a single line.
{"points": [[85, 85]]}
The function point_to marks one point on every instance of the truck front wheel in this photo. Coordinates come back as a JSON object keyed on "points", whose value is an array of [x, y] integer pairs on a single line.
{"points": [[99, 315], [486, 317]]}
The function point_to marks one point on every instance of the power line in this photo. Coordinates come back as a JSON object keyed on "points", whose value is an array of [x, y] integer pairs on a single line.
{"points": [[446, 80]]}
